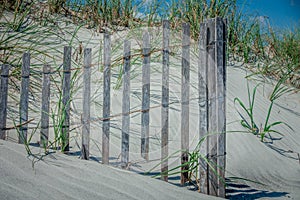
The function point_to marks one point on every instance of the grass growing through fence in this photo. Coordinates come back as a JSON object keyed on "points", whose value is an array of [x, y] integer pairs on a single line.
{"points": [[58, 116], [248, 39], [29, 26], [27, 29], [192, 165]]}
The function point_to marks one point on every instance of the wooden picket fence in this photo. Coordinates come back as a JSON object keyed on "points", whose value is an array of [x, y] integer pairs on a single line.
{"points": [[211, 77]]}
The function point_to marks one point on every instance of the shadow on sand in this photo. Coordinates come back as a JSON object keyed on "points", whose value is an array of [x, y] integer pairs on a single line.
{"points": [[243, 191]]}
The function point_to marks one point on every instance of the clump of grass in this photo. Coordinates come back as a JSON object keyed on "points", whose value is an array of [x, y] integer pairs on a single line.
{"points": [[277, 92], [245, 39], [249, 122], [58, 115], [56, 5], [196, 11], [284, 48], [192, 165], [97, 14], [250, 40]]}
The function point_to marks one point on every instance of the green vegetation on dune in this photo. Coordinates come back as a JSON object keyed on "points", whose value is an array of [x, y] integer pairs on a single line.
{"points": [[29, 25], [277, 52], [247, 112]]}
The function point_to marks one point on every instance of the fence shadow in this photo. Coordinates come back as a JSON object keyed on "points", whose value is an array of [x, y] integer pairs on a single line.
{"points": [[244, 191]]}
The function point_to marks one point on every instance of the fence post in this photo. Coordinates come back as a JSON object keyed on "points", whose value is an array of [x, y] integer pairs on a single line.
{"points": [[106, 99], [85, 147], [3, 99], [126, 106], [45, 106], [24, 98], [185, 95], [165, 101], [145, 96], [203, 106], [66, 98], [221, 115], [212, 108]]}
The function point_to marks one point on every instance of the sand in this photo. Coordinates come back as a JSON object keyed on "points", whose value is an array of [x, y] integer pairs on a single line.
{"points": [[58, 176], [275, 163], [269, 170]]}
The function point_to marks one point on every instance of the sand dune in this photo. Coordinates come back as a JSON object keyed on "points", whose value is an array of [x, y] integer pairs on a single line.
{"points": [[59, 176], [274, 164]]}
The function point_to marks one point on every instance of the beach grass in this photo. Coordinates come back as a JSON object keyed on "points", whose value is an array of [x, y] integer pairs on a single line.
{"points": [[249, 40], [248, 120], [192, 166]]}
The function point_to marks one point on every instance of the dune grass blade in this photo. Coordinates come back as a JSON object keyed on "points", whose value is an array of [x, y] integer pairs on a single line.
{"points": [[277, 92], [251, 126]]}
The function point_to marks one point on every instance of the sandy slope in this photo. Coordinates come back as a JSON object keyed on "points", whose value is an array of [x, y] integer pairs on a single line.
{"points": [[274, 163], [59, 176]]}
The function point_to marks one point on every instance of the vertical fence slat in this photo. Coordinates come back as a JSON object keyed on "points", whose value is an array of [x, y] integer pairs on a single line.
{"points": [[66, 97], [212, 112], [126, 106], [24, 98], [185, 95], [165, 101], [203, 115], [3, 99], [145, 97], [106, 99], [221, 115], [45, 106], [85, 147]]}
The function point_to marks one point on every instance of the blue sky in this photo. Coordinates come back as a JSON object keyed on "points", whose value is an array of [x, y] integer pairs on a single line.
{"points": [[281, 13]]}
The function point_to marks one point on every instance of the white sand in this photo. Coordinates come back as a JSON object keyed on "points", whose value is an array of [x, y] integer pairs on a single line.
{"points": [[59, 176], [276, 165]]}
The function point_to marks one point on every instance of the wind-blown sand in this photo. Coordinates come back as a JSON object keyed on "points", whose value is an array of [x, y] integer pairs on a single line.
{"points": [[59, 176], [274, 164]]}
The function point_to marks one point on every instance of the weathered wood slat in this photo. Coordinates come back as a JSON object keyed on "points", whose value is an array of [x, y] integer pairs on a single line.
{"points": [[3, 99], [145, 96], [106, 98], [66, 87], [165, 101], [85, 147], [126, 106], [185, 95], [221, 114], [203, 107], [45, 106], [212, 112], [24, 98]]}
